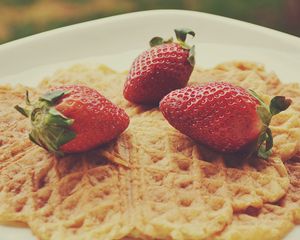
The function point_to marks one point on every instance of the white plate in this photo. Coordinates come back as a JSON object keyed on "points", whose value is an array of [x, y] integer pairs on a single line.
{"points": [[115, 41]]}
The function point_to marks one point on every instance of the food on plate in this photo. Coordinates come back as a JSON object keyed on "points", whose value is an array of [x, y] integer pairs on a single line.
{"points": [[249, 76], [73, 118], [223, 116], [272, 221], [173, 187], [166, 66]]}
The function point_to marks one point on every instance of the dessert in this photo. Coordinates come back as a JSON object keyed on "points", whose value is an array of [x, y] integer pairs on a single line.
{"points": [[172, 188]]}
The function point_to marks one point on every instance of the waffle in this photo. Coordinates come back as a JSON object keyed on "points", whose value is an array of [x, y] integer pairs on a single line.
{"points": [[171, 188], [272, 221]]}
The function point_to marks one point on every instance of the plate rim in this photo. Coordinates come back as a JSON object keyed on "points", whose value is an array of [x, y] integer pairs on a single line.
{"points": [[290, 39]]}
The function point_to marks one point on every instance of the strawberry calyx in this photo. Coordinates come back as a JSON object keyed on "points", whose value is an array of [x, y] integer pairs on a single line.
{"points": [[264, 143], [181, 35], [159, 41], [50, 128]]}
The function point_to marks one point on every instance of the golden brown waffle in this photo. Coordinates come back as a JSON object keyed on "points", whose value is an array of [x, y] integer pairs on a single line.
{"points": [[172, 189], [272, 221]]}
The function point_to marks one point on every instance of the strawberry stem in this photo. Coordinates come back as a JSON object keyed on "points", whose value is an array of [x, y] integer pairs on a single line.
{"points": [[191, 57], [269, 139], [182, 33], [23, 111], [53, 96], [27, 98], [265, 150], [159, 41], [278, 104], [50, 128]]}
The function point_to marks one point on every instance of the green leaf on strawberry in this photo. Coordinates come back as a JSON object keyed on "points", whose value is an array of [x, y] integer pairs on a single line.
{"points": [[181, 33], [53, 96], [52, 131], [279, 104], [50, 127], [191, 57], [265, 140], [70, 119], [159, 41], [23, 111]]}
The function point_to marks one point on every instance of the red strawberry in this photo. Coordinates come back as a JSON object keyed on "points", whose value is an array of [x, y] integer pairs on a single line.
{"points": [[166, 66], [223, 116], [73, 118]]}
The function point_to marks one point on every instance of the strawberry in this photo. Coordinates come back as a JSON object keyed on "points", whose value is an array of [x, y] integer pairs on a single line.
{"points": [[223, 116], [166, 66], [73, 118]]}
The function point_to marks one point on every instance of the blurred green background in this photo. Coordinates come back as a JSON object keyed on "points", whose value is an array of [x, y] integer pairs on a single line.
{"points": [[20, 18]]}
